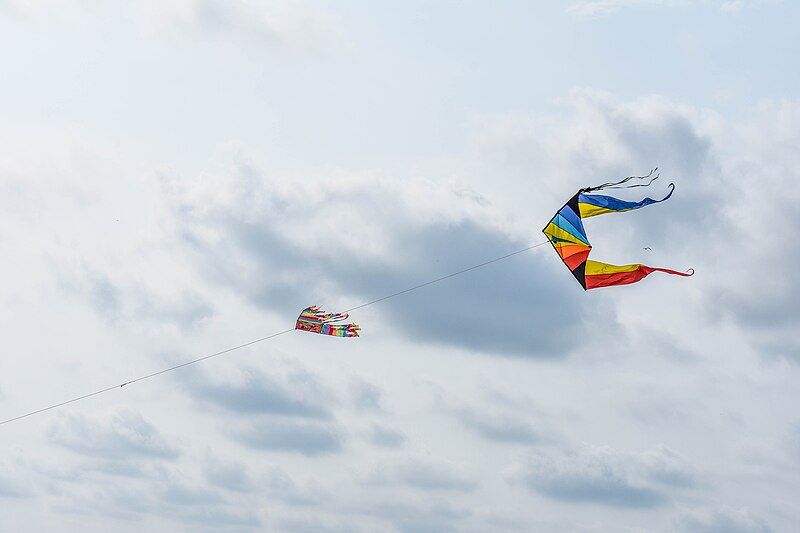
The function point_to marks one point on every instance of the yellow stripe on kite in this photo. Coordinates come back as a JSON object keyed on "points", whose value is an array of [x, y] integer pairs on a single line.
{"points": [[589, 210], [564, 235], [596, 267]]}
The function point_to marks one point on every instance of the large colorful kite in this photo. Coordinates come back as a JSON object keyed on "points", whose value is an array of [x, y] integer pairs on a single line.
{"points": [[315, 320], [568, 236]]}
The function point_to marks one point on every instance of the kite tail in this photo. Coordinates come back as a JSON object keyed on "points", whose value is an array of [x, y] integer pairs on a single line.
{"points": [[597, 274], [688, 273], [591, 205]]}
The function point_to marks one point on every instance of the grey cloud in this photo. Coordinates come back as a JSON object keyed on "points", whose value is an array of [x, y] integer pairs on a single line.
{"points": [[126, 300], [653, 410], [56, 473], [778, 343], [386, 437], [229, 475], [606, 477], [502, 428], [278, 485], [729, 174], [201, 506], [188, 310], [794, 439], [288, 390], [499, 417], [163, 493], [473, 311], [315, 524], [604, 140], [213, 518], [103, 294], [122, 434], [294, 408], [666, 466], [177, 493], [774, 309], [722, 520], [365, 396], [423, 473], [668, 137], [9, 488], [306, 438], [273, 482], [118, 468], [664, 344], [123, 502], [601, 487], [410, 517], [752, 286]]}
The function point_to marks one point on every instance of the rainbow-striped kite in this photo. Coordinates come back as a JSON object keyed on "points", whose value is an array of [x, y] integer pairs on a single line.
{"points": [[568, 237], [315, 320]]}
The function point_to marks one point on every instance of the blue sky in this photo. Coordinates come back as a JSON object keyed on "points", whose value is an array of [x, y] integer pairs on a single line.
{"points": [[182, 176]]}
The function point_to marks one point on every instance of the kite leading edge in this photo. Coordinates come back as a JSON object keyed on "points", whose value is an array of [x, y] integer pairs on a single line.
{"points": [[566, 233], [315, 320]]}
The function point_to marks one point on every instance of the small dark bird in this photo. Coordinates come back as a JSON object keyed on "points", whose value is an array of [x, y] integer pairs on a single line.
{"points": [[648, 248]]}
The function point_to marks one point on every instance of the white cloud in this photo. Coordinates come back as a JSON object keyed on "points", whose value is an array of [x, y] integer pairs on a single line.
{"points": [[605, 476], [276, 240], [722, 519], [291, 27], [109, 275], [598, 7], [388, 437], [601, 7], [289, 436], [422, 473], [292, 24], [286, 388], [120, 433]]}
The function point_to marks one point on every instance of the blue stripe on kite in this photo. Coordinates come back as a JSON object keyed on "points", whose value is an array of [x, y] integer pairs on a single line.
{"points": [[573, 218], [615, 204], [564, 224]]}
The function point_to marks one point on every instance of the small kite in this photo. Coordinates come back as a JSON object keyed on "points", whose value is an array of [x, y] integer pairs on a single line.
{"points": [[315, 320], [566, 233]]}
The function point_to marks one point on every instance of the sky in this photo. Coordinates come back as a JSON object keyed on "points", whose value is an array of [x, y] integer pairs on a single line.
{"points": [[178, 177]]}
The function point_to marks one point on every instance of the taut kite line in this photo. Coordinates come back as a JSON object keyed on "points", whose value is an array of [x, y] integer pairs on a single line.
{"points": [[565, 232], [273, 335]]}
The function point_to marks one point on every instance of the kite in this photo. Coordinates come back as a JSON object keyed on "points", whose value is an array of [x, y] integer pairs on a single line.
{"points": [[315, 320], [566, 233]]}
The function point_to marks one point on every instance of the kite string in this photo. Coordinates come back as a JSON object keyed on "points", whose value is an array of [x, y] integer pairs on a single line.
{"points": [[448, 276], [262, 339], [163, 371]]}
